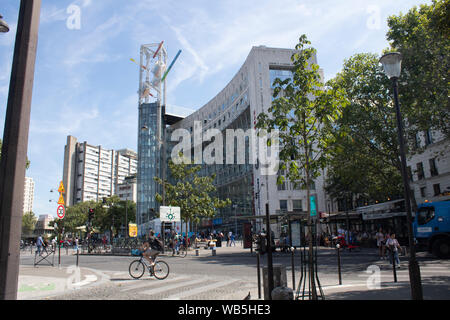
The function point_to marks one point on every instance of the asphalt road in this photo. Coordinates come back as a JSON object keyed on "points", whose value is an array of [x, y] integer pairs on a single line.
{"points": [[232, 274]]}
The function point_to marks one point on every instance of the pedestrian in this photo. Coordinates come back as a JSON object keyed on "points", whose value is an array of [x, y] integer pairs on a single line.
{"points": [[39, 244], [232, 240], [379, 236], [393, 246]]}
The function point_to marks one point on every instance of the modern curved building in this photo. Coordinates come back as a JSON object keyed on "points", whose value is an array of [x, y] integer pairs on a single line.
{"points": [[236, 106]]}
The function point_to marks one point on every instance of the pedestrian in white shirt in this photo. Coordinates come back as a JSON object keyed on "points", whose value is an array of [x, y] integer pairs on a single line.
{"points": [[380, 242], [393, 246]]}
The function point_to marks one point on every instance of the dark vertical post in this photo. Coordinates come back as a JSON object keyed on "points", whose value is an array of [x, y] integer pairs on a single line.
{"points": [[393, 264], [269, 253], [59, 246], [338, 247], [258, 266], [414, 270], [292, 255], [15, 144]]}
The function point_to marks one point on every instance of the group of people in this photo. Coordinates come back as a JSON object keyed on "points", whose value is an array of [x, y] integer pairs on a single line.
{"points": [[218, 237], [176, 241], [388, 245]]}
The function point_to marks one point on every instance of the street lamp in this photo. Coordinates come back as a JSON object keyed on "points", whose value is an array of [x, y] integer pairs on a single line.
{"points": [[392, 67], [3, 25], [15, 143]]}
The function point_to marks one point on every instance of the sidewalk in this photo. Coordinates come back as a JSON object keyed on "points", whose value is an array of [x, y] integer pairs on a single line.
{"points": [[42, 282]]}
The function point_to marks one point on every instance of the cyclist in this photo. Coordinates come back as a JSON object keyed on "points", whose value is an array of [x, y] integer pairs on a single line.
{"points": [[151, 248]]}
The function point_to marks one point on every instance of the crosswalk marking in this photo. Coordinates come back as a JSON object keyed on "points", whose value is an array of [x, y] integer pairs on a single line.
{"points": [[175, 286], [201, 289], [150, 283]]}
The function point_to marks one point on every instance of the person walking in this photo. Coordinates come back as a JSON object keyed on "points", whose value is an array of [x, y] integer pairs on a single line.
{"points": [[393, 246], [232, 240], [379, 236], [39, 244]]}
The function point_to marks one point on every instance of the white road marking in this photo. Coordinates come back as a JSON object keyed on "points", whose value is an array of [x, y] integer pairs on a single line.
{"points": [[175, 286], [201, 289]]}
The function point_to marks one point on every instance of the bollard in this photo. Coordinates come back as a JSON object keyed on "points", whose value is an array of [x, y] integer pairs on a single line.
{"points": [[258, 273], [213, 251], [196, 252], [338, 247]]}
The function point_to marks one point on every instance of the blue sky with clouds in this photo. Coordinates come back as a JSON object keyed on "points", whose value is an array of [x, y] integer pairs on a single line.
{"points": [[85, 84]]}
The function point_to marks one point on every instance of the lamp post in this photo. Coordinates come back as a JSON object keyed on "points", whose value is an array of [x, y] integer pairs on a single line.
{"points": [[392, 67], [15, 143], [3, 25]]}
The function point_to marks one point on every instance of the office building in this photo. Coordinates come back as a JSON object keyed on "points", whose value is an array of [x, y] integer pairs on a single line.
{"points": [[236, 106]]}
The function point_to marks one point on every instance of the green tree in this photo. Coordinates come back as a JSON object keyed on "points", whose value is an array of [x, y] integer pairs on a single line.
{"points": [[365, 160], [422, 36], [194, 194], [111, 215], [28, 223], [304, 111]]}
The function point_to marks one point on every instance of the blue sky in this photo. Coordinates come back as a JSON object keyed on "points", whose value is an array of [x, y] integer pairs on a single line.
{"points": [[85, 84]]}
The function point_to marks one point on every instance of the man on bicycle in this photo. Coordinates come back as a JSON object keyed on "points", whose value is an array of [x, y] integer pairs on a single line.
{"points": [[151, 248]]}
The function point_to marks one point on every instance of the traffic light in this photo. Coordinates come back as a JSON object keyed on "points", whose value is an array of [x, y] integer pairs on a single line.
{"points": [[91, 213]]}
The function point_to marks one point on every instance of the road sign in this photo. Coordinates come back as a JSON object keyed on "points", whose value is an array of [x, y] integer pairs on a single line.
{"points": [[61, 211], [61, 188], [132, 230], [169, 214], [61, 199]]}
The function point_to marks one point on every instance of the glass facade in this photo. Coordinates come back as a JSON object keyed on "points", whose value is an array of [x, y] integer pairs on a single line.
{"points": [[279, 73], [149, 163]]}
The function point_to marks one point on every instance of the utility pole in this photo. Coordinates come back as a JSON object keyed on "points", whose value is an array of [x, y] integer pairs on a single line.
{"points": [[15, 144]]}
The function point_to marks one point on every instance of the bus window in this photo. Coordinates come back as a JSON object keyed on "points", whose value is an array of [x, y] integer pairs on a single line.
{"points": [[425, 215]]}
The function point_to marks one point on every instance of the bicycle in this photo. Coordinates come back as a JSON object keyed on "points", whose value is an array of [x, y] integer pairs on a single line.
{"points": [[182, 251], [160, 269]]}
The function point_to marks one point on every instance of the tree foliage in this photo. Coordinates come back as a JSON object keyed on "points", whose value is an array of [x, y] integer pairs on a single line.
{"points": [[28, 223], [365, 156], [194, 194], [422, 36], [112, 214]]}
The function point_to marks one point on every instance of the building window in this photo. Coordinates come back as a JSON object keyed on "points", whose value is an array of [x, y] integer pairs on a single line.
{"points": [[423, 192], [433, 169], [420, 172], [428, 137], [297, 205], [416, 141], [437, 189], [283, 205]]}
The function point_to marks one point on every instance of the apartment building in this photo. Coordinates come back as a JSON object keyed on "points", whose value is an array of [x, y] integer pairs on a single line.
{"points": [[28, 195], [429, 167], [92, 172]]}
